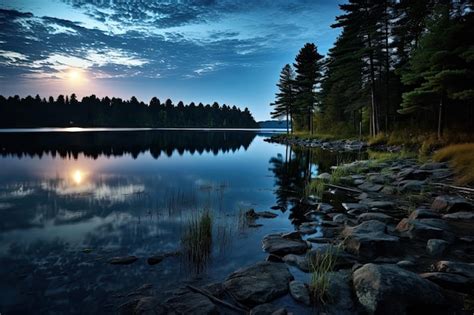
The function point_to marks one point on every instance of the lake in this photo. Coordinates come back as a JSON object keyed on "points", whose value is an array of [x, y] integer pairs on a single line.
{"points": [[70, 201]]}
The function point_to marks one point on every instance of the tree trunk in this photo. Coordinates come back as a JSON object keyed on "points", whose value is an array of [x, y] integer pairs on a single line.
{"points": [[387, 67], [372, 88]]}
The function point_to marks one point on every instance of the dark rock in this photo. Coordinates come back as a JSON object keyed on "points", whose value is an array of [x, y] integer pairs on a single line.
{"points": [[375, 216], [153, 260], [259, 283], [423, 214], [294, 235], [436, 247], [407, 264], [149, 306], [460, 268], [450, 281], [370, 187], [449, 204], [340, 297], [379, 204], [319, 240], [340, 218], [388, 289], [299, 291], [411, 185], [125, 260], [266, 215], [355, 206], [369, 240], [276, 244], [191, 303], [267, 309], [300, 261], [433, 166], [459, 216], [215, 288], [416, 229], [325, 208]]}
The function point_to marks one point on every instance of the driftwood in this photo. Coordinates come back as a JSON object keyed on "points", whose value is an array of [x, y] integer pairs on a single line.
{"points": [[465, 189], [216, 300], [345, 188]]}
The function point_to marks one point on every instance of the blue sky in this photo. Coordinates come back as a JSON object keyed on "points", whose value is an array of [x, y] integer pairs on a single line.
{"points": [[229, 51]]}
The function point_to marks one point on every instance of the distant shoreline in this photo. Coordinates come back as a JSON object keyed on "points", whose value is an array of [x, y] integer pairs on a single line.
{"points": [[107, 129]]}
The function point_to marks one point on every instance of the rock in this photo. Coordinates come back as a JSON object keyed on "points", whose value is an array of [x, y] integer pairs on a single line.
{"points": [[379, 204], [423, 214], [389, 190], [433, 166], [436, 247], [319, 240], [407, 264], [375, 216], [156, 259], [149, 306], [367, 186], [460, 268], [463, 216], [215, 288], [125, 260], [298, 261], [419, 175], [267, 215], [324, 176], [416, 229], [340, 218], [251, 214], [259, 283], [294, 235], [276, 244], [360, 208], [411, 185], [450, 281], [191, 303], [369, 240], [267, 309], [388, 289], [449, 204], [340, 299], [325, 208], [300, 292]]}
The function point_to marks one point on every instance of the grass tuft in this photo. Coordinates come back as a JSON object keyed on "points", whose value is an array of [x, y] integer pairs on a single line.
{"points": [[461, 159], [196, 241], [320, 266]]}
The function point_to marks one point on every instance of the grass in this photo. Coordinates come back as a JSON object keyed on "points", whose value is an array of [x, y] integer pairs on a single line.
{"points": [[320, 265], [317, 187], [196, 241], [338, 173], [461, 159]]}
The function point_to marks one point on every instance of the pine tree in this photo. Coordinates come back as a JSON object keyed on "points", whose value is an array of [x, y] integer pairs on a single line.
{"points": [[308, 68], [285, 98]]}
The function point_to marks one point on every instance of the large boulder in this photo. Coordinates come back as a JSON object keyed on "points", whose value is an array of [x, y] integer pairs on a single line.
{"points": [[423, 229], [370, 240], [279, 245], [389, 289], [191, 303], [448, 204], [450, 281], [300, 292], [339, 294], [259, 283]]}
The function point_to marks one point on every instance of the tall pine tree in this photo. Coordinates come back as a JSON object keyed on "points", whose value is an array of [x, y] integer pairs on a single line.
{"points": [[285, 98]]}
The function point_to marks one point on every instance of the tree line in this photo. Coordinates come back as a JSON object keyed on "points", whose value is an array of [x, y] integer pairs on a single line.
{"points": [[406, 64], [91, 111]]}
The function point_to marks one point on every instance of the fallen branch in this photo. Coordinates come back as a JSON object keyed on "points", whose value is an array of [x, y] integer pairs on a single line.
{"points": [[455, 187], [345, 188], [214, 299]]}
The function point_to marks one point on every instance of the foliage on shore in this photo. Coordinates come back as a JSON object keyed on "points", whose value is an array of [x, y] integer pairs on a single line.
{"points": [[461, 159]]}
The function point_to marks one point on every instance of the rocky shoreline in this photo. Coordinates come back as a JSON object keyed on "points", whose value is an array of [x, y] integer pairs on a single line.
{"points": [[402, 243]]}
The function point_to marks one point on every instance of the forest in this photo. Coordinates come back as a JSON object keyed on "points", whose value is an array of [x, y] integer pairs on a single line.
{"points": [[396, 66], [91, 111]]}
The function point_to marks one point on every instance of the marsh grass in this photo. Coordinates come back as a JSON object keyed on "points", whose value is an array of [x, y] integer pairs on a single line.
{"points": [[196, 241], [320, 266], [338, 173], [461, 159], [316, 187]]}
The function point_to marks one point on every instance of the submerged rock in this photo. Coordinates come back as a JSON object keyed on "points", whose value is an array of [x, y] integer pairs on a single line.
{"points": [[278, 245], [388, 289], [259, 283], [125, 260]]}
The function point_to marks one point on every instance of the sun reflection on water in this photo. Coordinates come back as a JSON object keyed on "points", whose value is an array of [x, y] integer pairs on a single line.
{"points": [[77, 176]]}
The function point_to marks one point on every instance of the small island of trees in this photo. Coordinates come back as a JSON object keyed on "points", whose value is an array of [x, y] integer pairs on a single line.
{"points": [[91, 111]]}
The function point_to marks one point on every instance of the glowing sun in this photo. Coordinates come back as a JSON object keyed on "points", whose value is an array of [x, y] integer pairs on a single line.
{"points": [[77, 176], [74, 75]]}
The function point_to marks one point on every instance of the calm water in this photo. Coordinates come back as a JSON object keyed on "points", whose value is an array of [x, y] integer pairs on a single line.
{"points": [[71, 201]]}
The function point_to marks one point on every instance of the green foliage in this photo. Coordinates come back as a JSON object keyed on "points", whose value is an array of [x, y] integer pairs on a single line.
{"points": [[320, 265], [196, 241], [285, 98]]}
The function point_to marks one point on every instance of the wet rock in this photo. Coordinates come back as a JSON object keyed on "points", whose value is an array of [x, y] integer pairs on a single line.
{"points": [[215, 288], [407, 264], [276, 244], [450, 281], [367, 186], [380, 204], [340, 218], [156, 259], [299, 261], [459, 216], [360, 208], [433, 166], [299, 291], [417, 229], [267, 309], [388, 289], [460, 268], [436, 247], [389, 190], [325, 208], [423, 214], [191, 303], [294, 235], [369, 240], [319, 240], [124, 260], [449, 204], [411, 185], [340, 297], [375, 216], [259, 283], [342, 259]]}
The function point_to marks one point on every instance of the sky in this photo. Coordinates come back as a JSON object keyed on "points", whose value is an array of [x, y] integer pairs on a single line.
{"points": [[229, 51]]}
